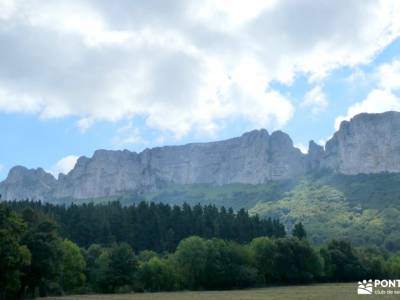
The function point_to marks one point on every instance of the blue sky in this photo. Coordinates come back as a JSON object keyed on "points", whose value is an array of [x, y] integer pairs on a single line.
{"points": [[77, 76]]}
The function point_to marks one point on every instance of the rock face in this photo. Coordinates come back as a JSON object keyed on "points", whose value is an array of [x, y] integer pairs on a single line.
{"points": [[22, 183], [315, 155], [255, 157], [369, 143]]}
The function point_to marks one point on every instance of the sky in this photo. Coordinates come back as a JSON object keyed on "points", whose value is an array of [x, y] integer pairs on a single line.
{"points": [[81, 75]]}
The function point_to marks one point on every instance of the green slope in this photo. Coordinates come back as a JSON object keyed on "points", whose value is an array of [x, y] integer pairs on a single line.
{"points": [[236, 196], [363, 208], [232, 195]]}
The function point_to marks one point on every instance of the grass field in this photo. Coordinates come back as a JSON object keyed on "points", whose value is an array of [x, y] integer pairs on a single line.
{"points": [[305, 292]]}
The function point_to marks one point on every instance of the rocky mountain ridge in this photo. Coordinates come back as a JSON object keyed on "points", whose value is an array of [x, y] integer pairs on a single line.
{"points": [[369, 143]]}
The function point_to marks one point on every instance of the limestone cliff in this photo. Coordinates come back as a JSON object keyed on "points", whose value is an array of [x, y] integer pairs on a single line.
{"points": [[255, 157], [22, 183], [368, 143]]}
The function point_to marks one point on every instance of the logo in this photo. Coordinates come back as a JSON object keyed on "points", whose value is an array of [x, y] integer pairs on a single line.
{"points": [[379, 287], [365, 287]]}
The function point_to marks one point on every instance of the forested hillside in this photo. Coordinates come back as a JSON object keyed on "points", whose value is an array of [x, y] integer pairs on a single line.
{"points": [[151, 226], [41, 255], [364, 209]]}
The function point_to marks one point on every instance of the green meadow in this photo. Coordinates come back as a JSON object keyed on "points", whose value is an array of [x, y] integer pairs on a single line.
{"points": [[342, 291]]}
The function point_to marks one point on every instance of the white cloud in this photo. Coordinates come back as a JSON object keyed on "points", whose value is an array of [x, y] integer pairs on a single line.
{"points": [[64, 165], [128, 135], [7, 8], [1, 168], [180, 65], [386, 78], [323, 141], [84, 124], [315, 100], [11, 101], [389, 75], [227, 17], [303, 148], [377, 101]]}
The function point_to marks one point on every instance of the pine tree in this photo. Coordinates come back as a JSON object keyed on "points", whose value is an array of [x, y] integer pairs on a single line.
{"points": [[299, 231]]}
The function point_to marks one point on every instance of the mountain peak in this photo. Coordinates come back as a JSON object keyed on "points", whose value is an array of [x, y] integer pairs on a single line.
{"points": [[23, 183], [368, 143]]}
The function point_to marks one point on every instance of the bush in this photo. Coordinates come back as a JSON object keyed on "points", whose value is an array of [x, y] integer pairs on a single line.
{"points": [[156, 275]]}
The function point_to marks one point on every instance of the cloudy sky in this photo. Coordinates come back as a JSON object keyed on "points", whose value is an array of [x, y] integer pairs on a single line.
{"points": [[79, 75]]}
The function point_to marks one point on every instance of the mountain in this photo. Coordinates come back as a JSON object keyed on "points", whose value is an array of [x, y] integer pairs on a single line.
{"points": [[22, 183], [368, 143], [255, 157]]}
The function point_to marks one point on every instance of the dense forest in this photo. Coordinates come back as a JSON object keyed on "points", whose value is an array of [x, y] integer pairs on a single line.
{"points": [[364, 208], [42, 251], [149, 226]]}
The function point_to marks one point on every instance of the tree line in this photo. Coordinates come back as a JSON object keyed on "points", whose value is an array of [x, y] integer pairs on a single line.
{"points": [[151, 226], [36, 260]]}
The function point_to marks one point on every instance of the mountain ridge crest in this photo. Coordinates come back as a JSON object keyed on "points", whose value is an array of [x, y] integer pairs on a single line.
{"points": [[368, 143]]}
